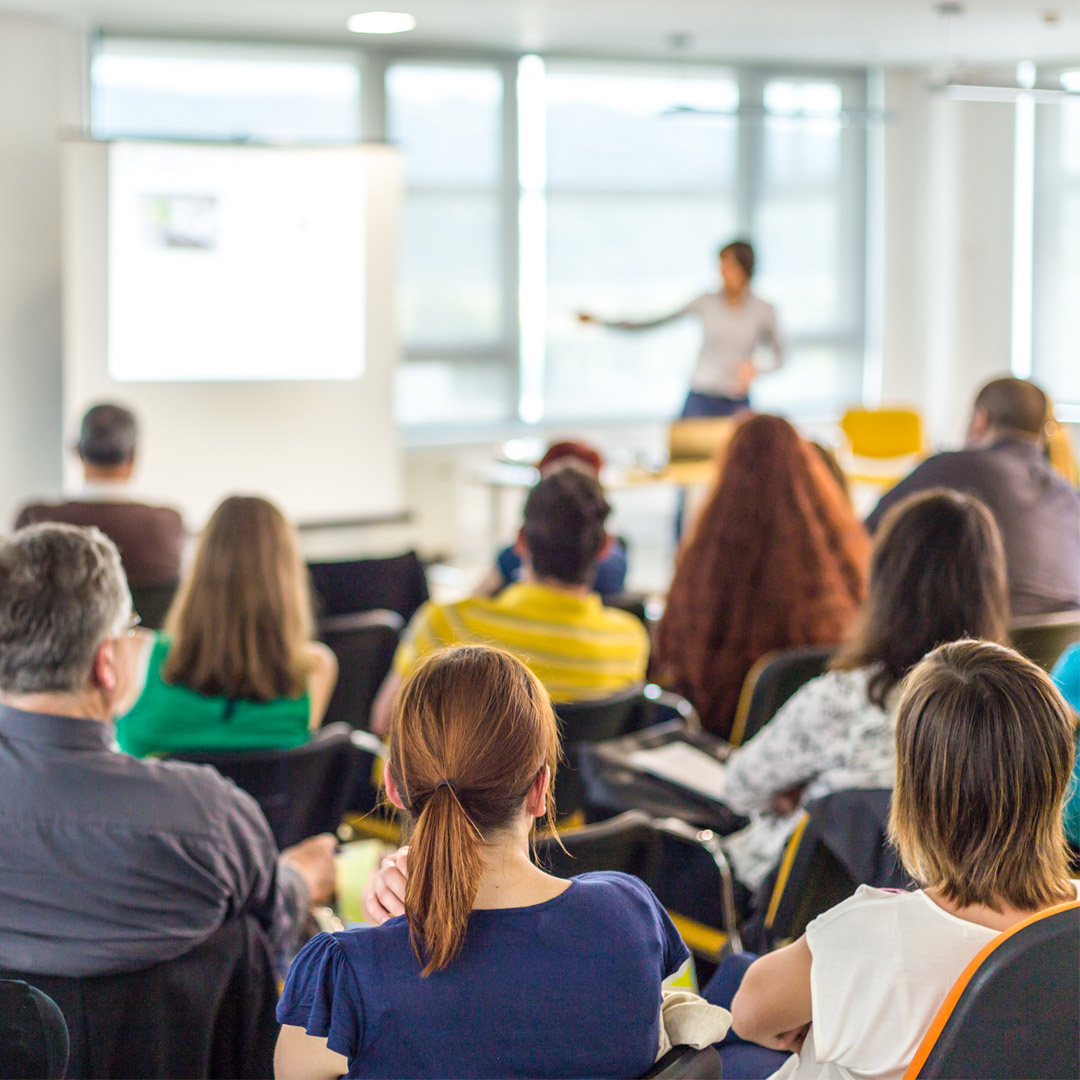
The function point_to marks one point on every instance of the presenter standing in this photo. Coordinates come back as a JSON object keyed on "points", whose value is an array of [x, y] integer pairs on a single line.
{"points": [[735, 322]]}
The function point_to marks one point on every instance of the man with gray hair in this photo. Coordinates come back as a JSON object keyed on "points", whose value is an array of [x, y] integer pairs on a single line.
{"points": [[109, 863], [150, 538]]}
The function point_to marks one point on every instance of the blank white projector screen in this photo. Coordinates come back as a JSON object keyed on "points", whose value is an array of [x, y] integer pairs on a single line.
{"points": [[235, 263]]}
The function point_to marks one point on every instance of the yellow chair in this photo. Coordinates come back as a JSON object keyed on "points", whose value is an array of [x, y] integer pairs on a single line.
{"points": [[882, 436], [883, 433]]}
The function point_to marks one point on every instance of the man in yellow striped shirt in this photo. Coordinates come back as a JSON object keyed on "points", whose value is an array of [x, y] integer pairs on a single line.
{"points": [[551, 620]]}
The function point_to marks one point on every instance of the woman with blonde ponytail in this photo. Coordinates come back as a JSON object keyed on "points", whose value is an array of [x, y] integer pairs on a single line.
{"points": [[497, 968]]}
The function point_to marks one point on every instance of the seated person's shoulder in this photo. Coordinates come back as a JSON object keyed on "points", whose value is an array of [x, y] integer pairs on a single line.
{"points": [[869, 911], [197, 798]]}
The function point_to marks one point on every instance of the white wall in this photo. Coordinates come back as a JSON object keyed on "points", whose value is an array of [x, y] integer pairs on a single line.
{"points": [[947, 181], [40, 64]]}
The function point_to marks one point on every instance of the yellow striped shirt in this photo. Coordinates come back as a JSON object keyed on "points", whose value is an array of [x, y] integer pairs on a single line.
{"points": [[574, 645]]}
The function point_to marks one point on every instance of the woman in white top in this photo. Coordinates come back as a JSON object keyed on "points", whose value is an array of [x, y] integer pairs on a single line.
{"points": [[735, 323], [984, 748], [937, 573]]}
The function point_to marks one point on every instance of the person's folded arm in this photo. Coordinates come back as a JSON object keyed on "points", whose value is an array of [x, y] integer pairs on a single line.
{"points": [[773, 1005], [787, 752], [300, 1056]]}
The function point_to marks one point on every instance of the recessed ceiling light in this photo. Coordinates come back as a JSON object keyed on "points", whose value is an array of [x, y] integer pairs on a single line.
{"points": [[381, 22], [1071, 81]]}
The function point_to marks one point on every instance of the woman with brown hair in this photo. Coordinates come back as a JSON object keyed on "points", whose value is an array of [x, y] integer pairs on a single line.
{"points": [[776, 559], [497, 968], [984, 749], [235, 668], [937, 574]]}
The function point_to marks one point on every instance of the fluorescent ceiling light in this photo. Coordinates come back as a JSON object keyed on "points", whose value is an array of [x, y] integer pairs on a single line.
{"points": [[381, 22], [1070, 80]]}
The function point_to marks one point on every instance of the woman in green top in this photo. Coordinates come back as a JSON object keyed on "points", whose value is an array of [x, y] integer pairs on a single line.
{"points": [[235, 668]]}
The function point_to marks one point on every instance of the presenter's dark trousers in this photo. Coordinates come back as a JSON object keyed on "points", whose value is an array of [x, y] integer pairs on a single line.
{"points": [[741, 1060], [698, 405]]}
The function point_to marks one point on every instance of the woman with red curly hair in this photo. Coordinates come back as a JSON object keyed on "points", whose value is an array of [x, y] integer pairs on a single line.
{"points": [[776, 560]]}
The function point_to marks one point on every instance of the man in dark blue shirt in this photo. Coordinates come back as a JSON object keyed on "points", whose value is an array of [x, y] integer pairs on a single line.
{"points": [[1003, 464], [109, 863]]}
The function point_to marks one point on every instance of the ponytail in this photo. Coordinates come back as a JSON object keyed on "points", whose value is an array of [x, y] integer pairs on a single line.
{"points": [[472, 730], [445, 865]]}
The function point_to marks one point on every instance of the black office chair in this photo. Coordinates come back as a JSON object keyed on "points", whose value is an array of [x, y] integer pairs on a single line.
{"points": [[657, 850], [33, 1034], [152, 603], [208, 1013], [364, 645], [584, 723], [840, 843], [302, 791], [686, 1063], [1015, 1012], [393, 584], [770, 682], [633, 603], [1043, 638]]}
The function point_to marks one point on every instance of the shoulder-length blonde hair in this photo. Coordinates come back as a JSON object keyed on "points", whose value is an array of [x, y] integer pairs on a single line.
{"points": [[242, 617], [984, 753]]}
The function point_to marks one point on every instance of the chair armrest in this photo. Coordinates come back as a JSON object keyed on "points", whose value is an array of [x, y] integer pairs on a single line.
{"points": [[674, 701], [370, 743], [710, 842]]}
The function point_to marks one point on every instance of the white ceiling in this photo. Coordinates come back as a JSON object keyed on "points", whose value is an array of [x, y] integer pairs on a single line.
{"points": [[855, 31]]}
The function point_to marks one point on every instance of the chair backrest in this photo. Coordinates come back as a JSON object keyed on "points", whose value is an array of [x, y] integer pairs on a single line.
{"points": [[1043, 638], [633, 603], [840, 843], [33, 1033], [208, 1013], [364, 645], [1015, 1011], [883, 433], [152, 603], [302, 791], [393, 584], [683, 866], [585, 722], [686, 1063], [770, 682]]}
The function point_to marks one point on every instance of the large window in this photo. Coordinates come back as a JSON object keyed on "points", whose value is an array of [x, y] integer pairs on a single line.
{"points": [[234, 93], [641, 179], [1056, 352], [539, 188], [456, 325]]}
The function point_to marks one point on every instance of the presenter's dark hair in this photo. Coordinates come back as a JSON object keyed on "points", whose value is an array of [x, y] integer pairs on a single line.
{"points": [[937, 574], [564, 526], [743, 253], [107, 436], [471, 731]]}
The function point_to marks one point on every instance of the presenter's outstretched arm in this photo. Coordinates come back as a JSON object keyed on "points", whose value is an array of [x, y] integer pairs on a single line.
{"points": [[586, 317]]}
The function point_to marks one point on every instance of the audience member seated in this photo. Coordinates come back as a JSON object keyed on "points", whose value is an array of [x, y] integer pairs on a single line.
{"points": [[1066, 676], [984, 747], [150, 538], [551, 619], [610, 577], [937, 574], [1004, 464], [776, 559], [497, 968], [236, 668], [113, 864]]}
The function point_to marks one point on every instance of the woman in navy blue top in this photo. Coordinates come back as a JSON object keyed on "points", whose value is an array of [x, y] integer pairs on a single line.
{"points": [[497, 969]]}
